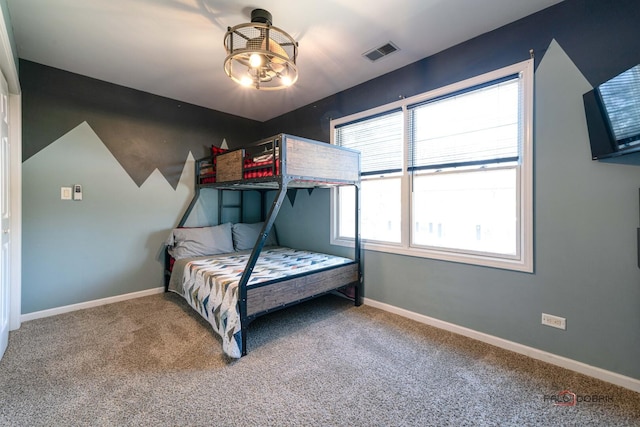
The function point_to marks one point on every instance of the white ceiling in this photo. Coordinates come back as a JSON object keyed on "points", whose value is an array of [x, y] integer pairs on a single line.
{"points": [[174, 48]]}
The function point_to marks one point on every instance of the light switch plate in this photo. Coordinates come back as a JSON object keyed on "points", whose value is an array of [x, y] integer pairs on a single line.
{"points": [[65, 193]]}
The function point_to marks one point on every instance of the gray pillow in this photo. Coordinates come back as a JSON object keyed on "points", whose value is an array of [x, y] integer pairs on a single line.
{"points": [[245, 236], [201, 241]]}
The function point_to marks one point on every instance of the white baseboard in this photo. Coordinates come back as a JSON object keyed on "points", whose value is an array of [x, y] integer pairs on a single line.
{"points": [[89, 304], [592, 371]]}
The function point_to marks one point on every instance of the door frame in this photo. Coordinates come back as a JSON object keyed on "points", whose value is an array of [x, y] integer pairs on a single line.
{"points": [[9, 68]]}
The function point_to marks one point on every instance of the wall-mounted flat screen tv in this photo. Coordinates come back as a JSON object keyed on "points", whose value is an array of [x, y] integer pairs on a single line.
{"points": [[613, 115]]}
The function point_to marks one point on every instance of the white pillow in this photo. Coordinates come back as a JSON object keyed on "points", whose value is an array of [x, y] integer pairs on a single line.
{"points": [[200, 241], [245, 236]]}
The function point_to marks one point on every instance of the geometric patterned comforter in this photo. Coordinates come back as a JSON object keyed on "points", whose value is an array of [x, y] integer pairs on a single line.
{"points": [[210, 285]]}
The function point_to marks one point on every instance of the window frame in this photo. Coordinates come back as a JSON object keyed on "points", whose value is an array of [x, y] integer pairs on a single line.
{"points": [[524, 259]]}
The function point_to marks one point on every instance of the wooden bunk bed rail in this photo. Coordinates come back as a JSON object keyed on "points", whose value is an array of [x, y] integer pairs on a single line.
{"points": [[319, 160], [306, 162], [265, 298]]}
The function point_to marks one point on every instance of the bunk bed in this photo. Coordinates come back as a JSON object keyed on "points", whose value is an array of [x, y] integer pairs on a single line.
{"points": [[231, 288]]}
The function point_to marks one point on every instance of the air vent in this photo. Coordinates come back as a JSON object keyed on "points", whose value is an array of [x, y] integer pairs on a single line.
{"points": [[377, 53]]}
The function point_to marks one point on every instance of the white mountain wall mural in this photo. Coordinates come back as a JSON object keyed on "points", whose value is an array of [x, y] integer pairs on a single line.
{"points": [[109, 243]]}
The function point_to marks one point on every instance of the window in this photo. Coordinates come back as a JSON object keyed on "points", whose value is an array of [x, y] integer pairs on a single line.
{"points": [[446, 174], [380, 142]]}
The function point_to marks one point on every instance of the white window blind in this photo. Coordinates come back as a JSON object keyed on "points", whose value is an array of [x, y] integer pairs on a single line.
{"points": [[476, 127], [379, 140]]}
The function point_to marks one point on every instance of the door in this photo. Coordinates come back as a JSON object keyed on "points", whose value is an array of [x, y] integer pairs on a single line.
{"points": [[5, 215]]}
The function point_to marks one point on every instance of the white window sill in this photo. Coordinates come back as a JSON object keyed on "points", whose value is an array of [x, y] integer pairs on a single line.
{"points": [[479, 259]]}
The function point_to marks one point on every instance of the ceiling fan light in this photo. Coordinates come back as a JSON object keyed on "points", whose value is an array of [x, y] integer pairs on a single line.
{"points": [[255, 60], [286, 80], [261, 51]]}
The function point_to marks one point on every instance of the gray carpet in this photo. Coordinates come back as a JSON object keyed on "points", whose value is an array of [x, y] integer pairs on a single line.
{"points": [[153, 362]]}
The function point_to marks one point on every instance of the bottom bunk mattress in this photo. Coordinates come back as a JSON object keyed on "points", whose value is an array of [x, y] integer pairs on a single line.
{"points": [[210, 284]]}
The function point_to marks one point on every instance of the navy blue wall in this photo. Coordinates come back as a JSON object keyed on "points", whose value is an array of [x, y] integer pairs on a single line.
{"points": [[600, 36], [142, 131]]}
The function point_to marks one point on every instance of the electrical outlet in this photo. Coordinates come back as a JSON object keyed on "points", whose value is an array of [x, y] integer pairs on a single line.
{"points": [[554, 321]]}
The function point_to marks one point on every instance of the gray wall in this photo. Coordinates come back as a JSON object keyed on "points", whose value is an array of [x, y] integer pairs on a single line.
{"points": [[107, 244], [136, 168], [586, 213]]}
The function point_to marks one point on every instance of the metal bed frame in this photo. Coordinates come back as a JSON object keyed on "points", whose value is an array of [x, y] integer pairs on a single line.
{"points": [[296, 163]]}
